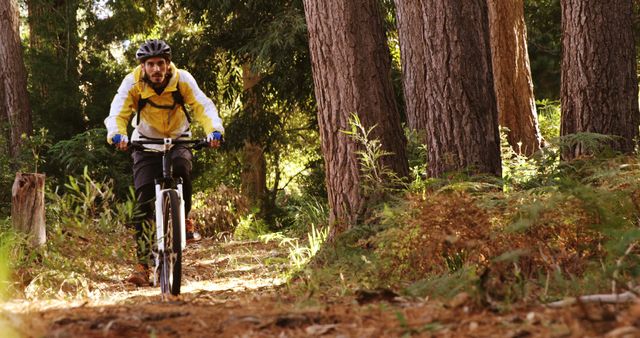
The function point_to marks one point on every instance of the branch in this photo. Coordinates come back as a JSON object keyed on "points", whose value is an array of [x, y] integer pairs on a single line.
{"points": [[294, 176], [619, 298]]}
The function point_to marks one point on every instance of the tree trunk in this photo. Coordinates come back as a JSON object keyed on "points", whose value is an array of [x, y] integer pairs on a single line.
{"points": [[462, 131], [411, 31], [14, 102], [254, 167], [351, 70], [512, 75], [599, 91], [53, 35], [253, 177], [27, 207]]}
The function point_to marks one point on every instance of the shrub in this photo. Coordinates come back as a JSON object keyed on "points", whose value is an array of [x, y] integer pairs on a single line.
{"points": [[87, 242], [218, 212], [250, 228]]}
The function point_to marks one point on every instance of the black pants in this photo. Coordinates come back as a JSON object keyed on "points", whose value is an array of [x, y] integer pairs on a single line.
{"points": [[147, 166]]}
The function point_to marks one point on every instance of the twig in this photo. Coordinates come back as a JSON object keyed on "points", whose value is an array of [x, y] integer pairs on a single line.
{"points": [[624, 297], [616, 272]]}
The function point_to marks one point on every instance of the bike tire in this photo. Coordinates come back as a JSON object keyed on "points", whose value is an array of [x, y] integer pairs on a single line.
{"points": [[171, 257]]}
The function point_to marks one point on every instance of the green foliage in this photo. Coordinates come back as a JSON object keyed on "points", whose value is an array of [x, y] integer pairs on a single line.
{"points": [[250, 228], [416, 153], [543, 18], [7, 176], [52, 64], [269, 40], [87, 242], [598, 145], [32, 158], [566, 230], [7, 240], [89, 151], [549, 119], [304, 213], [377, 181], [7, 237], [300, 254], [445, 285], [517, 169]]}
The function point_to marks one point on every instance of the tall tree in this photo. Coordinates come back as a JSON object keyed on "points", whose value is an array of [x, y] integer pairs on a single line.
{"points": [[53, 59], [599, 86], [512, 75], [254, 166], [14, 98], [351, 70], [411, 30], [268, 38], [460, 115]]}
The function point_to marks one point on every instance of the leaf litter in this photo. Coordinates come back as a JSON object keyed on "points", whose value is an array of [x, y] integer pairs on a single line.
{"points": [[230, 292]]}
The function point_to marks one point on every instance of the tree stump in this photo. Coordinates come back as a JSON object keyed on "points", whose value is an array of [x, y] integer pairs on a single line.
{"points": [[27, 207]]}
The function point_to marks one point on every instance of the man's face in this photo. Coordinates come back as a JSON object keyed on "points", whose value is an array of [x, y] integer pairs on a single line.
{"points": [[156, 69]]}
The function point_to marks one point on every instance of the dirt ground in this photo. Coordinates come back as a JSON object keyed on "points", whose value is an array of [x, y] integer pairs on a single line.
{"points": [[235, 289]]}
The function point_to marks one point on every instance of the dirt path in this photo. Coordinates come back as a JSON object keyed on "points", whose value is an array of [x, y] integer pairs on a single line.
{"points": [[236, 290]]}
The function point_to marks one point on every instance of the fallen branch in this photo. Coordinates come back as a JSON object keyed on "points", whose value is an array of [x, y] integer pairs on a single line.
{"points": [[619, 298]]}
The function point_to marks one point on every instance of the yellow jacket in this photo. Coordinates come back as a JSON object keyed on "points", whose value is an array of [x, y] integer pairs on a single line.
{"points": [[160, 122]]}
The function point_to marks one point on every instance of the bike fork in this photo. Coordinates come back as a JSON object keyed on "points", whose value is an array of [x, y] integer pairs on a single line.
{"points": [[183, 230], [159, 232]]}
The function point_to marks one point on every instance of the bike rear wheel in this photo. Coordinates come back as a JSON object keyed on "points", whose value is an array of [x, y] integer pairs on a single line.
{"points": [[171, 257]]}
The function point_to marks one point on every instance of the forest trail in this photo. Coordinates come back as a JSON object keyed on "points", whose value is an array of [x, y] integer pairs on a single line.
{"points": [[236, 289]]}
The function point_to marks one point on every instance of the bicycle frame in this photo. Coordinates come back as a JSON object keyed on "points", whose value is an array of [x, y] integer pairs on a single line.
{"points": [[167, 181], [162, 185]]}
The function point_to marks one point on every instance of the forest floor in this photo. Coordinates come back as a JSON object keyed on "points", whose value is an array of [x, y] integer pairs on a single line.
{"points": [[236, 289]]}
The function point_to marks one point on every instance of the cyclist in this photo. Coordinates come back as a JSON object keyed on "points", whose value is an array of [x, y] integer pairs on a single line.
{"points": [[156, 91]]}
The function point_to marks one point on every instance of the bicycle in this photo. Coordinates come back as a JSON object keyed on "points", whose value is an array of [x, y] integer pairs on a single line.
{"points": [[170, 216]]}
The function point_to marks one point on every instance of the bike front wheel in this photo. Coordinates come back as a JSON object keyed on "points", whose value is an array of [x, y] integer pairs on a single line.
{"points": [[171, 257]]}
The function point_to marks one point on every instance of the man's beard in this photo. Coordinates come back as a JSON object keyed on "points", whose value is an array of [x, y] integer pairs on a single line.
{"points": [[160, 84]]}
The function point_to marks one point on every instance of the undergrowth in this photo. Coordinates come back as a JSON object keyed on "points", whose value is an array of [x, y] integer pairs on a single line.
{"points": [[87, 244], [548, 230]]}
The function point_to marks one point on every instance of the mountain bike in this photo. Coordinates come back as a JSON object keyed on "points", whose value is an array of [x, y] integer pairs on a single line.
{"points": [[170, 216]]}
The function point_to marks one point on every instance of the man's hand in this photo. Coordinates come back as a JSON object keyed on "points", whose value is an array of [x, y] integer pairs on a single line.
{"points": [[214, 139], [120, 141]]}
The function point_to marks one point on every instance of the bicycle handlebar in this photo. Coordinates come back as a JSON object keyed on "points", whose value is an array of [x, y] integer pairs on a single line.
{"points": [[139, 144]]}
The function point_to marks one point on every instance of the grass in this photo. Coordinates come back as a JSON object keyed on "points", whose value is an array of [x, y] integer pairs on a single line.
{"points": [[87, 243], [548, 230], [545, 230]]}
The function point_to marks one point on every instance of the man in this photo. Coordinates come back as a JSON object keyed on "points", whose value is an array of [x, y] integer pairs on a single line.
{"points": [[156, 91]]}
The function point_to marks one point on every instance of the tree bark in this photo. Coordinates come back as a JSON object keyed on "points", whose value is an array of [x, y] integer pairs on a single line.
{"points": [[351, 70], [599, 89], [27, 207], [254, 167], [411, 31], [512, 75], [462, 131], [14, 103]]}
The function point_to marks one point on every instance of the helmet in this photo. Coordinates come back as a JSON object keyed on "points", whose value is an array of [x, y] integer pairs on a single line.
{"points": [[151, 48]]}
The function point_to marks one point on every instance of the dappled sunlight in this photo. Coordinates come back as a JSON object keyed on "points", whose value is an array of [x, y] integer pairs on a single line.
{"points": [[236, 271]]}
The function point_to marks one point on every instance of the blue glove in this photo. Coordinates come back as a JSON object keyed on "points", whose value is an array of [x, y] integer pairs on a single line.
{"points": [[214, 136], [117, 138]]}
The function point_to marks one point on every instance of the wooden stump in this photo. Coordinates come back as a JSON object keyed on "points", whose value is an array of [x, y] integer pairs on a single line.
{"points": [[27, 207]]}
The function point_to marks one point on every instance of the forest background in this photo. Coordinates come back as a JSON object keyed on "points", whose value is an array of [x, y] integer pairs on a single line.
{"points": [[542, 224]]}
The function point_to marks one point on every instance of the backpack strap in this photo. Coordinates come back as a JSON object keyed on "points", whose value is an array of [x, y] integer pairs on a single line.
{"points": [[178, 99]]}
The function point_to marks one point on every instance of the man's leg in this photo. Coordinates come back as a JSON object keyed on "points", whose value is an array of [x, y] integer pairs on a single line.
{"points": [[144, 235], [145, 168]]}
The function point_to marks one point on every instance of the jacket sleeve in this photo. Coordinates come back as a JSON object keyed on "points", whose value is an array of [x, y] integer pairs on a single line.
{"points": [[121, 109], [204, 110]]}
